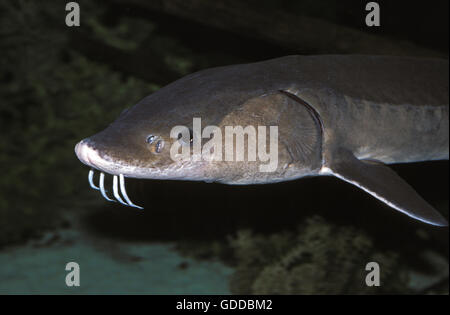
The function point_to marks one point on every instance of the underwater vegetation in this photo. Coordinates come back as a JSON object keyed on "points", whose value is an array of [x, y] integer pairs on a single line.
{"points": [[318, 258], [322, 256]]}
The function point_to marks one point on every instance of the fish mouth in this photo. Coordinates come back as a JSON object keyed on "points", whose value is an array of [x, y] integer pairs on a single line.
{"points": [[92, 158]]}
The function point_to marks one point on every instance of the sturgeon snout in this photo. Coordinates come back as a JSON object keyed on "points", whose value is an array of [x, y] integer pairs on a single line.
{"points": [[88, 155]]}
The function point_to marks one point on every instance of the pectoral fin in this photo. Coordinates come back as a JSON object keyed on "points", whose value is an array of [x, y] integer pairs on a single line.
{"points": [[384, 184]]}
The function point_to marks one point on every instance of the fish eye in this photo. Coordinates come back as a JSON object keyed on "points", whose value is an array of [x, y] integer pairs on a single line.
{"points": [[156, 143], [151, 139]]}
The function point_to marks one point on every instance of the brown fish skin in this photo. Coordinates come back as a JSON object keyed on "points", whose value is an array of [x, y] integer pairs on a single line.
{"points": [[334, 114]]}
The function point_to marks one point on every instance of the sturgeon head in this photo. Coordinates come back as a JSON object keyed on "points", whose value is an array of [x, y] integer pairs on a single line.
{"points": [[323, 125], [141, 142]]}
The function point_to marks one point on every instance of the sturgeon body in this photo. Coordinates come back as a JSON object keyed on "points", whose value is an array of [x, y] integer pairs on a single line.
{"points": [[345, 116]]}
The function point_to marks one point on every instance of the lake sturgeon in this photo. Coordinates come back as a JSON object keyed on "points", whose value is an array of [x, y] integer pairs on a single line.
{"points": [[346, 116]]}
